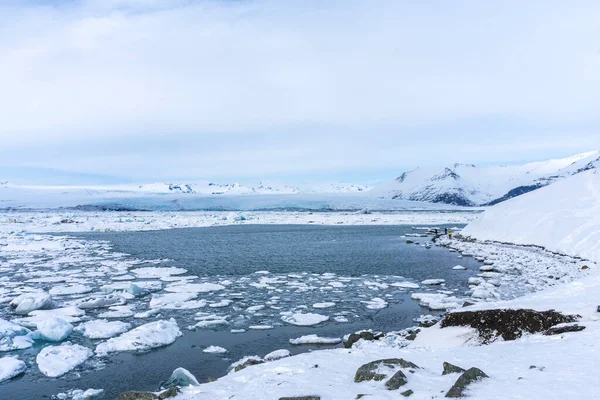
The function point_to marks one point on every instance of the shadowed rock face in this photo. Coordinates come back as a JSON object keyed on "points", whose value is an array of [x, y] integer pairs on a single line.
{"points": [[509, 324], [469, 376], [451, 369]]}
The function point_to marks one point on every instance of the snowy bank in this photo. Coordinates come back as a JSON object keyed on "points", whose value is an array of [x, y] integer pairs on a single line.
{"points": [[563, 217]]}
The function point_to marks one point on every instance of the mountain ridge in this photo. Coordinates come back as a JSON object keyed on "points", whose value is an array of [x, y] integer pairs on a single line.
{"points": [[468, 185]]}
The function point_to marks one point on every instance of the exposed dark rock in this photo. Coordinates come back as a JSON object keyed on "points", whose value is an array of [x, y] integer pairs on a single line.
{"points": [[469, 376], [366, 335], [557, 330], [367, 372], [137, 396], [171, 392], [451, 369], [585, 267], [407, 393], [509, 324], [598, 309], [412, 336], [397, 380], [247, 363], [301, 398]]}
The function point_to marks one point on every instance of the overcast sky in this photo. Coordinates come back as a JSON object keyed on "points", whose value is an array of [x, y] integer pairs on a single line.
{"points": [[297, 91]]}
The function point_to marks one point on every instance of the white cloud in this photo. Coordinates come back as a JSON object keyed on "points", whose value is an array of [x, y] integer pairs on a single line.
{"points": [[251, 87]]}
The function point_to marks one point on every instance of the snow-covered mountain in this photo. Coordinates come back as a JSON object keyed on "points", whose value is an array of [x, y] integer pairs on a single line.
{"points": [[468, 185]]}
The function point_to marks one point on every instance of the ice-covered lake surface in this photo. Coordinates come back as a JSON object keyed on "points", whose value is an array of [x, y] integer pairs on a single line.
{"points": [[248, 289]]}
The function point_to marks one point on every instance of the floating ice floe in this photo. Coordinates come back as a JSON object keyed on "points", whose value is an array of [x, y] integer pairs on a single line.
{"points": [[436, 301], [304, 319], [324, 305], [157, 272], [144, 337], [260, 327], [193, 287], [70, 314], [54, 361], [100, 301], [215, 349], [405, 285], [314, 339], [222, 303], [433, 281], [458, 268], [117, 312], [171, 300], [102, 329], [375, 304], [28, 302], [124, 288], [66, 290], [52, 329], [210, 320], [11, 367]]}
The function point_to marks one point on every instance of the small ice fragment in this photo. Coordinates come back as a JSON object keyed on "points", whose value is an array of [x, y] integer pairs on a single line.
{"points": [[215, 349]]}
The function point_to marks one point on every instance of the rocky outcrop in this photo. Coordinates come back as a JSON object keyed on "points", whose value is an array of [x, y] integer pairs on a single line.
{"points": [[365, 335], [397, 380], [557, 330], [508, 324], [371, 372], [451, 369], [469, 376]]}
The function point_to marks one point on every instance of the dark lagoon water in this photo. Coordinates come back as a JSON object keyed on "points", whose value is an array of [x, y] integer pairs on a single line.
{"points": [[355, 253]]}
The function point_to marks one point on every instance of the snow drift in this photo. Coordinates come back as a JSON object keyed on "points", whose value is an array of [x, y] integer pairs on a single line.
{"points": [[564, 217]]}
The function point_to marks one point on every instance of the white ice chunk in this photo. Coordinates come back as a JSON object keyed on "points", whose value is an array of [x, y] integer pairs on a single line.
{"points": [[304, 319], [11, 367], [157, 272], [65, 290], [144, 337], [214, 349], [405, 285], [171, 300], [28, 302], [375, 304], [433, 281], [315, 339], [102, 329], [193, 287], [54, 361], [52, 329], [100, 301], [324, 305]]}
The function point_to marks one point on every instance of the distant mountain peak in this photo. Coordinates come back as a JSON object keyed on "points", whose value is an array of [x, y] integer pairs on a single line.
{"points": [[466, 184]]}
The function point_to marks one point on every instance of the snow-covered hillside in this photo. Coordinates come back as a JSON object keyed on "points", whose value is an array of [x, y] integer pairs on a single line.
{"points": [[563, 217], [468, 185]]}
